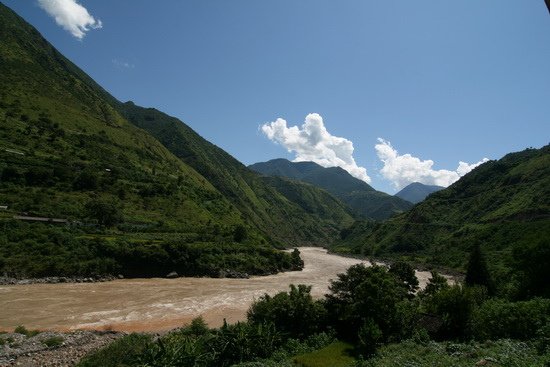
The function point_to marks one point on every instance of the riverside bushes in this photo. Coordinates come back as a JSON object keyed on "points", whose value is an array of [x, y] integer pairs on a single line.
{"points": [[41, 250], [371, 309]]}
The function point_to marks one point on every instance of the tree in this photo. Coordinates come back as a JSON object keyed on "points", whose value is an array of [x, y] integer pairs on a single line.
{"points": [[239, 234], [86, 180], [293, 313], [366, 296], [477, 272], [531, 264], [106, 213], [435, 284], [405, 272]]}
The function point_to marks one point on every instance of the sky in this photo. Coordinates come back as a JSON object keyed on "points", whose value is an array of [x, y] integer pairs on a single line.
{"points": [[393, 91]]}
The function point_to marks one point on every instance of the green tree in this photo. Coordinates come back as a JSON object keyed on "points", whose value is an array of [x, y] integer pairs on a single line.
{"points": [[293, 313], [104, 212], [364, 293], [455, 306], [240, 233], [436, 283], [405, 272], [477, 272], [531, 264], [86, 180]]}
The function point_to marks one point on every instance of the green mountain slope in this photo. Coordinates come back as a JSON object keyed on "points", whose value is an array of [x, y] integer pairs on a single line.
{"points": [[417, 192], [68, 155], [357, 194], [60, 127], [502, 205], [285, 217]]}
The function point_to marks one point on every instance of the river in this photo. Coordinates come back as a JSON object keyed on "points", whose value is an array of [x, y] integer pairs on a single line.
{"points": [[158, 304]]}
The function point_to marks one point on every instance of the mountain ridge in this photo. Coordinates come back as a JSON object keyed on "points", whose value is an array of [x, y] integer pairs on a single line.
{"points": [[357, 194], [502, 205], [416, 192]]}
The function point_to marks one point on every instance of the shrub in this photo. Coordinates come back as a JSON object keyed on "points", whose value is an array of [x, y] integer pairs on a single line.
{"points": [[366, 293], [23, 330], [497, 319], [54, 341], [295, 313], [126, 351]]}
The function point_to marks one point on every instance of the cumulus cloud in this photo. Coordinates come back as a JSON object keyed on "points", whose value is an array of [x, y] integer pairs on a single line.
{"points": [[312, 142], [404, 169], [70, 15]]}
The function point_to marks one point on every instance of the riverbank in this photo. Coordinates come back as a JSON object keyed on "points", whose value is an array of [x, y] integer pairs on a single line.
{"points": [[50, 348], [57, 280]]}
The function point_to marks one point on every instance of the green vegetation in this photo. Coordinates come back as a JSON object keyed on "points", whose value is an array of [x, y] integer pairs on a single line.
{"points": [[365, 201], [502, 353], [333, 355], [502, 206], [23, 330], [369, 318], [73, 156], [39, 250], [287, 211], [54, 341]]}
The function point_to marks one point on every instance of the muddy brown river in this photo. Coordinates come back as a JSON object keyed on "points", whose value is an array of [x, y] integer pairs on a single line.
{"points": [[158, 304]]}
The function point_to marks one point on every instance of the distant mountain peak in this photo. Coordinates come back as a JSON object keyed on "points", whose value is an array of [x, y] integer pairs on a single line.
{"points": [[417, 192], [359, 195]]}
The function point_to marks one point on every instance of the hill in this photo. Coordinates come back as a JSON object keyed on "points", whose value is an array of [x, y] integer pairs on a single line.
{"points": [[504, 206], [417, 192], [265, 204], [69, 155], [357, 194]]}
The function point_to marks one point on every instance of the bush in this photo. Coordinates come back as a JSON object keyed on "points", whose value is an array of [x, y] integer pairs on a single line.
{"points": [[104, 212], [295, 313], [23, 330], [126, 351], [455, 305], [54, 341], [497, 319], [366, 294]]}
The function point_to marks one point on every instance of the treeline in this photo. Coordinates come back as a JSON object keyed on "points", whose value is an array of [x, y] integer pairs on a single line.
{"points": [[41, 250], [369, 308]]}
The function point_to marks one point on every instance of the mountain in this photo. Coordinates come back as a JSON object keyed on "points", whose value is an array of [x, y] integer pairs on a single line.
{"points": [[503, 206], [264, 203], [417, 192], [357, 194], [71, 153]]}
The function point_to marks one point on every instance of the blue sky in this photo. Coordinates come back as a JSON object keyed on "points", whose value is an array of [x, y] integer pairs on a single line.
{"points": [[439, 80]]}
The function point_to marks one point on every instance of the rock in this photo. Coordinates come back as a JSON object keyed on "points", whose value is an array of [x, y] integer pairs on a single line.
{"points": [[120, 276], [172, 275]]}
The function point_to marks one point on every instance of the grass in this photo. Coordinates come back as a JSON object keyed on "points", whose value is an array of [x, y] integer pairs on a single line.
{"points": [[54, 341], [28, 333], [501, 353], [334, 355]]}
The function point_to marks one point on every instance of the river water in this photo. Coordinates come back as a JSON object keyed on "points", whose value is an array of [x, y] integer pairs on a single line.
{"points": [[158, 304]]}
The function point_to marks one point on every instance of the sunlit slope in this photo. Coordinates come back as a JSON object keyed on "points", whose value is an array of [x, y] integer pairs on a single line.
{"points": [[284, 217], [59, 125], [502, 205]]}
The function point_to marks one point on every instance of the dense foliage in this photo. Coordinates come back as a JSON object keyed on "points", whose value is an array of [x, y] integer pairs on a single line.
{"points": [[39, 250], [501, 206]]}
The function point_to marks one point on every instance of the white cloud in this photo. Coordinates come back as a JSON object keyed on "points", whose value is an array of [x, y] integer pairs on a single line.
{"points": [[312, 142], [122, 64], [70, 15], [404, 169]]}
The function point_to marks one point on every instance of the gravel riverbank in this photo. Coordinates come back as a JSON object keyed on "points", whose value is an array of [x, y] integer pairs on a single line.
{"points": [[48, 349]]}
